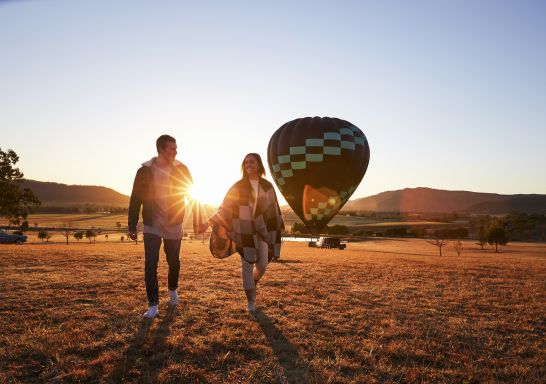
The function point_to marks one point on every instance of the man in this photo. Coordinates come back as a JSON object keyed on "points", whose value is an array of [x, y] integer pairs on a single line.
{"points": [[161, 188]]}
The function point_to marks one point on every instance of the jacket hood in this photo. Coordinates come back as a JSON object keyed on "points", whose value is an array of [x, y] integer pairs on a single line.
{"points": [[149, 163]]}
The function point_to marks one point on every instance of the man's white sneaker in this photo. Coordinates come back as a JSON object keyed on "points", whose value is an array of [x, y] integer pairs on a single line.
{"points": [[251, 307], [174, 298], [151, 312]]}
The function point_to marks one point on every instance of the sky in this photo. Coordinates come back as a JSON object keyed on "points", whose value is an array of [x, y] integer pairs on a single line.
{"points": [[450, 94]]}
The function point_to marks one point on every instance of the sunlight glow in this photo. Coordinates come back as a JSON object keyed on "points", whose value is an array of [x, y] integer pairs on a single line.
{"points": [[210, 185], [199, 192]]}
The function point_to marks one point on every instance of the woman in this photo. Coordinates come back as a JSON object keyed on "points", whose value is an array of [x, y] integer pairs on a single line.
{"points": [[251, 218]]}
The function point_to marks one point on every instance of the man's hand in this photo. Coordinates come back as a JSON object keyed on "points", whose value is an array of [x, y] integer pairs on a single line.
{"points": [[132, 235], [201, 228]]}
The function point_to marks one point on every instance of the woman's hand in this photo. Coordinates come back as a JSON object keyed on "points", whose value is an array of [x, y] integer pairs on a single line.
{"points": [[202, 228]]}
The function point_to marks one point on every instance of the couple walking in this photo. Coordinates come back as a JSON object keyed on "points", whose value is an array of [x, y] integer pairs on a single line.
{"points": [[249, 216]]}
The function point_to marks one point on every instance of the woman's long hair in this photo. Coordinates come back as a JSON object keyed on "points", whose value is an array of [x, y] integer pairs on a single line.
{"points": [[261, 168]]}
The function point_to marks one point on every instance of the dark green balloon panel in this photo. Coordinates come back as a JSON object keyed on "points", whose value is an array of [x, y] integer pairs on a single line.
{"points": [[317, 163]]}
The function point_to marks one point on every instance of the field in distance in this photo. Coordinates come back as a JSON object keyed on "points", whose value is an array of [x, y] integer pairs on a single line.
{"points": [[108, 222], [380, 311], [76, 220]]}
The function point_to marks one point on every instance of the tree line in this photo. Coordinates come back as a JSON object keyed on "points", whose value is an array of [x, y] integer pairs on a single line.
{"points": [[16, 203]]}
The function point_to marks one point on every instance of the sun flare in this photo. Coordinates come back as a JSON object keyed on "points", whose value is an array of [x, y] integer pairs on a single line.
{"points": [[200, 193], [210, 187]]}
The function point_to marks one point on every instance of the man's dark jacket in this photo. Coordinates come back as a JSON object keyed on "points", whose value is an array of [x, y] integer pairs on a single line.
{"points": [[143, 195]]}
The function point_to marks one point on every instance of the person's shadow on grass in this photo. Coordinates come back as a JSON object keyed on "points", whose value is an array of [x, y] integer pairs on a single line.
{"points": [[285, 261], [136, 350], [286, 353]]}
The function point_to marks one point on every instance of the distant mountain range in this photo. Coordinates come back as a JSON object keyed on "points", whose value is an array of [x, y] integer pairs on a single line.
{"points": [[428, 200], [56, 194], [419, 200]]}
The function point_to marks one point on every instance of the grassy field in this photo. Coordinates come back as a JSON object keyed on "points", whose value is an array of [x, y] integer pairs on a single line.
{"points": [[380, 311], [107, 222], [363, 222], [99, 220]]}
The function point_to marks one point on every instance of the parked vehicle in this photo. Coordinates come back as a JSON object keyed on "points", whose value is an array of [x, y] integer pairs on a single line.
{"points": [[330, 242], [10, 238]]}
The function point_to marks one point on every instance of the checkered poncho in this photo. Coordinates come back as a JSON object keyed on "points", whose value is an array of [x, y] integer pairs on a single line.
{"points": [[244, 228]]}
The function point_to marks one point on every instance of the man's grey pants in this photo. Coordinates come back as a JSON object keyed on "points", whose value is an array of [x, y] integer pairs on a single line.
{"points": [[152, 244]]}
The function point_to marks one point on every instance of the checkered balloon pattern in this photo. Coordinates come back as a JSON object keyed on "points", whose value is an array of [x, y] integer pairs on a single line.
{"points": [[317, 163]]}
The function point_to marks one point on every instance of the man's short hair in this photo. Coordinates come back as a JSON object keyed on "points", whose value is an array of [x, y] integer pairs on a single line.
{"points": [[162, 141]]}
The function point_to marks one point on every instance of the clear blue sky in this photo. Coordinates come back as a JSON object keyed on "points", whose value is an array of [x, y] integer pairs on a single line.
{"points": [[450, 94]]}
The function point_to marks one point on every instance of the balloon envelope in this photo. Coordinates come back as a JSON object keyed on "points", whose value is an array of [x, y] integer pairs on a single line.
{"points": [[317, 163]]}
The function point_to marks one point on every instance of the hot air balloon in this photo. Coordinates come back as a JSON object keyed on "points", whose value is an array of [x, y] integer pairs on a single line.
{"points": [[317, 164]]}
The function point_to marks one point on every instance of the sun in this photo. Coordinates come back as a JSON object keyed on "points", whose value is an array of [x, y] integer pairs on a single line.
{"points": [[210, 187], [200, 193]]}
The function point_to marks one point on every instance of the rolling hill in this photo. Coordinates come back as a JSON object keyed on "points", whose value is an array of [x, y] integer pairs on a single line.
{"points": [[56, 194], [516, 203], [428, 200], [422, 200], [57, 197]]}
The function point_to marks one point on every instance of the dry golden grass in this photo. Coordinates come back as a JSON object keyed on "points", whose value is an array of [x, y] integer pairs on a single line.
{"points": [[106, 222], [101, 220], [380, 311], [109, 220]]}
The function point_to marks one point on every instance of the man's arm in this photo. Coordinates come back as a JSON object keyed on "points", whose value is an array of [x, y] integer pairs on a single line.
{"points": [[135, 204], [195, 205]]}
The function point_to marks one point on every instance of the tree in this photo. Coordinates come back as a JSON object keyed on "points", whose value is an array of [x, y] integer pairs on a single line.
{"points": [[496, 235], [90, 234], [24, 226], [458, 245], [95, 232], [300, 228], [78, 235], [15, 202], [438, 243], [106, 237], [42, 235], [337, 230], [396, 232], [417, 232], [451, 233], [482, 235], [67, 232]]}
